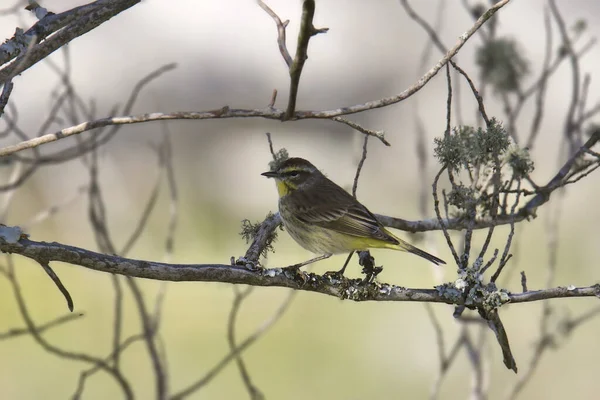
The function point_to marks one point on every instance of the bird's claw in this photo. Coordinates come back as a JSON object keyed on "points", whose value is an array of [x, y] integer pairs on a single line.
{"points": [[337, 275], [370, 274]]}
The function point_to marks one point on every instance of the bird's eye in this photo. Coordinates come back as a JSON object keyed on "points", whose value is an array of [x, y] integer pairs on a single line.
{"points": [[294, 174]]}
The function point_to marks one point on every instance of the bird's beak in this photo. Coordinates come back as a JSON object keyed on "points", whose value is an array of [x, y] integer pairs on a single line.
{"points": [[270, 174]]}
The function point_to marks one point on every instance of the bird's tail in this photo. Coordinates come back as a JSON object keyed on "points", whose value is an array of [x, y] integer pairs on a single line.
{"points": [[414, 250], [403, 246], [394, 242]]}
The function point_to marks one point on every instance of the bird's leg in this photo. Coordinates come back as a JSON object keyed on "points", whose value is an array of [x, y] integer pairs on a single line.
{"points": [[312, 260], [341, 271], [369, 269]]}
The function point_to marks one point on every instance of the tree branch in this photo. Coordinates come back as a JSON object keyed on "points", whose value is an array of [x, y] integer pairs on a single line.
{"points": [[268, 113], [60, 30], [15, 332], [307, 30], [289, 277]]}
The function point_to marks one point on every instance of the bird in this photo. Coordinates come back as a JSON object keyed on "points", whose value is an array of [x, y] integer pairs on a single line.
{"points": [[325, 219]]}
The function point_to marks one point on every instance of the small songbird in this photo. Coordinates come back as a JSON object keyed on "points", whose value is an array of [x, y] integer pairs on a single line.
{"points": [[325, 219]]}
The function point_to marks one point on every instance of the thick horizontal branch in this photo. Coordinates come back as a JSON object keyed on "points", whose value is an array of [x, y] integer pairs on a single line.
{"points": [[288, 277]]}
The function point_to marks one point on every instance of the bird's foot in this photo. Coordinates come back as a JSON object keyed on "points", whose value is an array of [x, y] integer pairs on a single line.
{"points": [[340, 274], [369, 269], [334, 275], [370, 274]]}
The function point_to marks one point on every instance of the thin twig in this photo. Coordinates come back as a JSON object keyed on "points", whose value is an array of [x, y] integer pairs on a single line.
{"points": [[268, 113], [436, 205], [52, 210], [6, 91], [307, 30], [281, 40], [119, 378], [15, 332], [271, 145], [378, 134], [238, 350], [58, 284], [363, 157], [543, 84], [111, 357], [240, 296]]}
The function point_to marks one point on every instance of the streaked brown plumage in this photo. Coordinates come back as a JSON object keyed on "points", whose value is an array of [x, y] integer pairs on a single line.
{"points": [[325, 219]]}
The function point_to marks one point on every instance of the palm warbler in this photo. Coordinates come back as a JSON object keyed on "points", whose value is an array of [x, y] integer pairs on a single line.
{"points": [[325, 219]]}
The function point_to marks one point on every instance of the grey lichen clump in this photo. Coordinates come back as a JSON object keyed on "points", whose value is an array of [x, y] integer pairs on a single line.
{"points": [[250, 230], [519, 161], [480, 152], [462, 197], [358, 290], [17, 44], [470, 291], [502, 64], [348, 289], [495, 298], [278, 158], [451, 292], [469, 147], [10, 234]]}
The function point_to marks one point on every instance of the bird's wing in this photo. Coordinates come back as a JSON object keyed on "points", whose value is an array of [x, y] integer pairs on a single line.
{"points": [[329, 206]]}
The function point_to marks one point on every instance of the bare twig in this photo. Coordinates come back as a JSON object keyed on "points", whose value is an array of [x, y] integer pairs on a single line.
{"points": [[436, 204], [271, 145], [6, 91], [280, 34], [438, 43], [567, 47], [378, 134], [268, 113], [363, 157], [99, 138], [307, 30], [120, 379], [238, 350], [505, 255], [52, 210], [167, 156], [240, 296], [99, 223], [543, 194], [111, 357], [543, 83], [58, 284], [497, 327], [523, 281], [57, 30], [15, 332]]}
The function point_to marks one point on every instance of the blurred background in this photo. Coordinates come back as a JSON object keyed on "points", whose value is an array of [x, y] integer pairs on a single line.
{"points": [[226, 54]]}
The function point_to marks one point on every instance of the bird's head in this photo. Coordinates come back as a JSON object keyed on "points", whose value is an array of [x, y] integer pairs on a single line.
{"points": [[293, 173]]}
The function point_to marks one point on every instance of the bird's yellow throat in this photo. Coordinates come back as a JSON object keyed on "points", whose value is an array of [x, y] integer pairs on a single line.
{"points": [[283, 188]]}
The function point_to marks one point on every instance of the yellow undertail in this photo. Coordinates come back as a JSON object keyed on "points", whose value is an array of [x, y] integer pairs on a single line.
{"points": [[402, 246]]}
